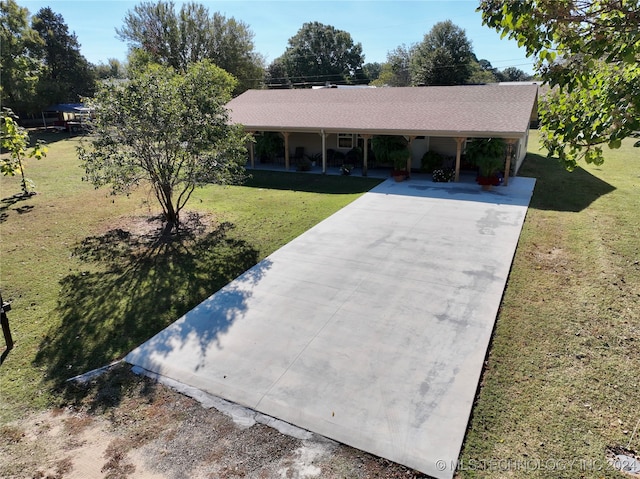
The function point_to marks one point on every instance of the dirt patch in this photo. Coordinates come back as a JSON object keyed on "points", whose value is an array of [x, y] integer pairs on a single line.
{"points": [[124, 426], [149, 228], [554, 259]]}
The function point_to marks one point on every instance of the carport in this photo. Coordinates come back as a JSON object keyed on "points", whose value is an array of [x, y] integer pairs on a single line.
{"points": [[70, 116]]}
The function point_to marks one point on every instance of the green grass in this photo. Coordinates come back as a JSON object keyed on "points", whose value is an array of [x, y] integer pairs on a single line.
{"points": [[561, 381], [86, 289], [562, 377]]}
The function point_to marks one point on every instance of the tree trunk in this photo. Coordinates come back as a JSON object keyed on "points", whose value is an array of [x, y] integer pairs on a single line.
{"points": [[25, 191], [170, 212]]}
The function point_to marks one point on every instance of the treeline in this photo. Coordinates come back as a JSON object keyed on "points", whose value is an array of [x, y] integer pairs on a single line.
{"points": [[320, 54], [42, 63]]}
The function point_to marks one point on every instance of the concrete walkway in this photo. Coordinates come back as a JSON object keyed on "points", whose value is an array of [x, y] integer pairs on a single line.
{"points": [[371, 328]]}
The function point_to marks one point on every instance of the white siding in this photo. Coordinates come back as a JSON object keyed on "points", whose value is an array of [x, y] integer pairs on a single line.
{"points": [[444, 146]]}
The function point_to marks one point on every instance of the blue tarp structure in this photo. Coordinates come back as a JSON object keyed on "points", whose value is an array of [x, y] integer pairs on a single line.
{"points": [[70, 116], [69, 108]]}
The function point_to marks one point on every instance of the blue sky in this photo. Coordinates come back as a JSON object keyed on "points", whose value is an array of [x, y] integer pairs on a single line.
{"points": [[379, 25]]}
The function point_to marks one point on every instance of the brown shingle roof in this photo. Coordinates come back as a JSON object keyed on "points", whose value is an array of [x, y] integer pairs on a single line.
{"points": [[470, 110]]}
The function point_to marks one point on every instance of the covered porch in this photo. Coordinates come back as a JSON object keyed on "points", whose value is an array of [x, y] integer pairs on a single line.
{"points": [[364, 166], [465, 177], [440, 119]]}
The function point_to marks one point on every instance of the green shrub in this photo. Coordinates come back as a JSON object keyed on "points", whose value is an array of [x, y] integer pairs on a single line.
{"points": [[268, 145], [430, 161], [390, 149], [354, 155], [488, 154]]}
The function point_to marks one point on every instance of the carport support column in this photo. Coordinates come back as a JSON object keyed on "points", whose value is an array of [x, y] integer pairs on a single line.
{"points": [[252, 157], [459, 143], [324, 152], [411, 138], [507, 168], [365, 158], [285, 134]]}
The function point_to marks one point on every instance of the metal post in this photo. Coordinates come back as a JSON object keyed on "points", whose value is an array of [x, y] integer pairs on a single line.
{"points": [[5, 323]]}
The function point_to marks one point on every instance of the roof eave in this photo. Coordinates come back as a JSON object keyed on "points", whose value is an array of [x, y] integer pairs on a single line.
{"points": [[436, 133]]}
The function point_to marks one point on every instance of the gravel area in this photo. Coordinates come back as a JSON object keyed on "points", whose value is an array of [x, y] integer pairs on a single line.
{"points": [[120, 425]]}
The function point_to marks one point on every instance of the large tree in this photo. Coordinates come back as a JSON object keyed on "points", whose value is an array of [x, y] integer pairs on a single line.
{"points": [[180, 38], [514, 74], [399, 66], [276, 75], [113, 69], [67, 75], [320, 53], [168, 129], [589, 51], [19, 58], [372, 71], [483, 72], [443, 57]]}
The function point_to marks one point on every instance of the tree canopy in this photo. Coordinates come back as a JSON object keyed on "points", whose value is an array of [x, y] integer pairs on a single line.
{"points": [[19, 57], [114, 68], [168, 129], [589, 52], [483, 72], [372, 70], [320, 53], [41, 61], [180, 38], [67, 75], [443, 57], [396, 72]]}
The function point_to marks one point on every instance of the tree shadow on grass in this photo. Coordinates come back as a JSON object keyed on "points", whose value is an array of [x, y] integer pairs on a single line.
{"points": [[49, 136], [134, 286], [8, 202], [560, 190], [309, 182]]}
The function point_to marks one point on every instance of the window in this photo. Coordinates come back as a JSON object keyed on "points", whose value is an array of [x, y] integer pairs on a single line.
{"points": [[345, 140]]}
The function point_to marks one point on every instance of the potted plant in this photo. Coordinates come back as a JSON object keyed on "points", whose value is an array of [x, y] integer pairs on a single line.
{"points": [[400, 158], [488, 154], [489, 171], [268, 145], [392, 150]]}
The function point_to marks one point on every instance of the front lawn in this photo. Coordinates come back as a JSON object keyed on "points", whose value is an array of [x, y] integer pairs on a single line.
{"points": [[560, 388], [86, 282]]}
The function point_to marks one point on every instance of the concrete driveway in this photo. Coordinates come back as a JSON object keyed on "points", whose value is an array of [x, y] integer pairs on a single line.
{"points": [[371, 328]]}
